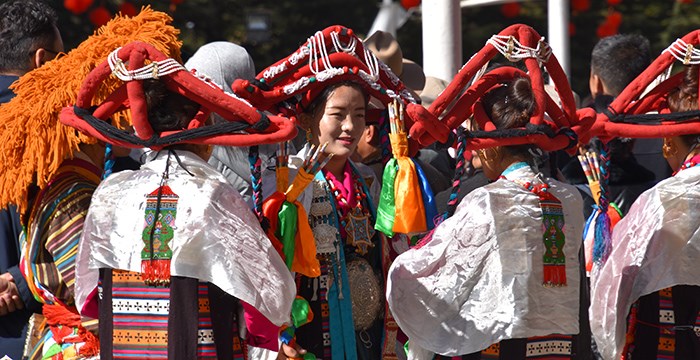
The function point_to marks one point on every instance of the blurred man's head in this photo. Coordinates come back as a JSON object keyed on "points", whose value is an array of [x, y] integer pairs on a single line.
{"points": [[616, 61], [29, 36]]}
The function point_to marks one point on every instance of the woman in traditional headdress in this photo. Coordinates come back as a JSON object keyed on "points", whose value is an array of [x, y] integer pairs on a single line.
{"points": [[645, 300], [500, 279], [328, 94], [173, 244], [50, 172]]}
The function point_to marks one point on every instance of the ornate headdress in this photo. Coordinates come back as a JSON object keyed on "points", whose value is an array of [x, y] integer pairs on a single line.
{"points": [[33, 143], [129, 65], [330, 56], [637, 113], [628, 115], [460, 100]]}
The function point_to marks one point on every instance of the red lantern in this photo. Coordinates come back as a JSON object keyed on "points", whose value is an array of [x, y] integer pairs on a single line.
{"points": [[510, 10], [615, 19], [580, 5], [77, 7], [128, 9], [606, 29], [407, 4], [100, 16], [614, 2]]}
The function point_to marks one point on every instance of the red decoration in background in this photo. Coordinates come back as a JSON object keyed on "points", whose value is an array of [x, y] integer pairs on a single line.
{"points": [[128, 9], [572, 29], [614, 2], [685, 1], [176, 2], [100, 16], [510, 10], [615, 19], [606, 29], [407, 4], [580, 5], [77, 7]]}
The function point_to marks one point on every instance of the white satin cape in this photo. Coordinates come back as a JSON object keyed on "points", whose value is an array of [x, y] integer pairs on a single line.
{"points": [[216, 237], [657, 245], [479, 280]]}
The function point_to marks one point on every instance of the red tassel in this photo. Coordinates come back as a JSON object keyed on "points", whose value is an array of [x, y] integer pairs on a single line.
{"points": [[155, 272], [554, 275]]}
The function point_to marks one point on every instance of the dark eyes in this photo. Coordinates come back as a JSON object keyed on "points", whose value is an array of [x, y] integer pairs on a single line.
{"points": [[342, 115]]}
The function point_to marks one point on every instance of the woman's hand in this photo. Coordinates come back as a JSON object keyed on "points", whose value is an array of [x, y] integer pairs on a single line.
{"points": [[9, 295], [290, 352]]}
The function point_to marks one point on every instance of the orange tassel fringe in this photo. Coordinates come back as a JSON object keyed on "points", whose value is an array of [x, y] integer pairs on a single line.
{"points": [[33, 143]]}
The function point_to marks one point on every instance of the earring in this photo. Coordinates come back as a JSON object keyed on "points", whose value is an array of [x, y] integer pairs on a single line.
{"points": [[668, 149], [308, 135], [482, 155]]}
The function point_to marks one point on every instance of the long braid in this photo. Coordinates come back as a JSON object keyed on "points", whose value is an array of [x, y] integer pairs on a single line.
{"points": [[384, 137], [256, 180], [459, 172], [109, 161], [603, 243], [456, 181]]}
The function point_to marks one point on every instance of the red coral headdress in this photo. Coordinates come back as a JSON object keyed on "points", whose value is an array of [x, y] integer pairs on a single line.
{"points": [[138, 61], [627, 115], [517, 42], [330, 56]]}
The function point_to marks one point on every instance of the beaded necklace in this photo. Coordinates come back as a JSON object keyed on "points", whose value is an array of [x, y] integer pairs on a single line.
{"points": [[693, 162], [553, 259], [356, 221]]}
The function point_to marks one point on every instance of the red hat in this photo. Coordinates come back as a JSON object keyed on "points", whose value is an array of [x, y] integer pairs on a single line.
{"points": [[627, 115], [129, 64], [332, 55], [517, 42]]}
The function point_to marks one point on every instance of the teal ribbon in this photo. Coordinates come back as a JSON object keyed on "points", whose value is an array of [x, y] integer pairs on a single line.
{"points": [[286, 231], [386, 210], [428, 197], [342, 326]]}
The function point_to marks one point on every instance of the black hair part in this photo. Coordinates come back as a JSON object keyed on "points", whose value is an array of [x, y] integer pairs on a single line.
{"points": [[510, 106], [25, 26], [685, 98], [320, 100], [619, 59], [167, 110]]}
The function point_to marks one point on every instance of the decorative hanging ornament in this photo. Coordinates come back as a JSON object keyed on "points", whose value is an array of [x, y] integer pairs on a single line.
{"points": [[158, 232], [615, 19], [606, 29], [614, 2], [359, 231], [580, 5], [77, 7], [100, 16], [510, 10], [407, 4], [128, 9]]}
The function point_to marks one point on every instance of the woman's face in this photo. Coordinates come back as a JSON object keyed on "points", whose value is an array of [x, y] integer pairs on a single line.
{"points": [[341, 122]]}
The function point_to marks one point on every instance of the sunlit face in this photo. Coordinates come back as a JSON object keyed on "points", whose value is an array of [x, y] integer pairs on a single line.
{"points": [[341, 122]]}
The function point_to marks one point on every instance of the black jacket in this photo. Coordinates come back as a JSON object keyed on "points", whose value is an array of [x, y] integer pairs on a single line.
{"points": [[13, 325]]}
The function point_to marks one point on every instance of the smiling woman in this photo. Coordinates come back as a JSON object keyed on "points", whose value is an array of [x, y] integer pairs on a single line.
{"points": [[337, 117], [326, 86]]}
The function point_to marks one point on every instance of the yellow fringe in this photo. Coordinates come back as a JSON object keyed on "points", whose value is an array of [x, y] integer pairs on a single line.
{"points": [[33, 142]]}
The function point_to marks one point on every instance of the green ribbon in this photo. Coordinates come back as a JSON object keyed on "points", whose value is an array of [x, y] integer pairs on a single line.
{"points": [[386, 211], [286, 231], [300, 312]]}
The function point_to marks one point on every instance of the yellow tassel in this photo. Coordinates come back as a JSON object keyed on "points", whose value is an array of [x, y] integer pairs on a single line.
{"points": [[33, 143]]}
